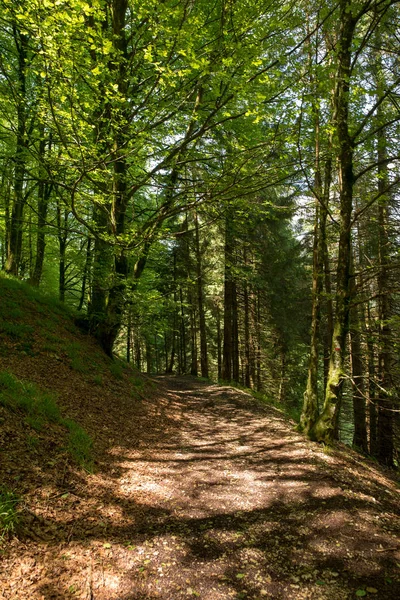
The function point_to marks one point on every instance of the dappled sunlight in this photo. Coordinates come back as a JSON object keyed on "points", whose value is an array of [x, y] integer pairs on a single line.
{"points": [[229, 502]]}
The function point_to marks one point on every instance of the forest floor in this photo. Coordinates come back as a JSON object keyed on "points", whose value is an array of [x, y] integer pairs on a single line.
{"points": [[199, 490]]}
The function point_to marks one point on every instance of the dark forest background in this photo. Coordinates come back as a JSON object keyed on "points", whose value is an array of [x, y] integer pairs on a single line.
{"points": [[213, 188]]}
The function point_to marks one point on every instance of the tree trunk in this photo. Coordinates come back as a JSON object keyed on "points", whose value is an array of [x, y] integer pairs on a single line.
{"points": [[229, 292], [326, 427], [182, 333], [193, 336], [138, 352], [385, 403], [6, 187], [173, 350], [371, 388], [61, 271], [357, 373], [44, 193], [258, 330], [325, 261], [86, 273], [309, 413], [14, 248], [200, 300], [247, 380], [129, 337], [149, 358], [235, 334], [282, 379], [62, 234], [157, 353], [110, 267], [219, 344]]}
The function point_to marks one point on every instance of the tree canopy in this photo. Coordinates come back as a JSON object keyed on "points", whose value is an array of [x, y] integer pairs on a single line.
{"points": [[209, 183]]}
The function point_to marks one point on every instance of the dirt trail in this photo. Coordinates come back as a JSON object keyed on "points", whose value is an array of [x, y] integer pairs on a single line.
{"points": [[211, 495]]}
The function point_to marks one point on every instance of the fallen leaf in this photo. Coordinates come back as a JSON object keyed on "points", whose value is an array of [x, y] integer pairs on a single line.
{"points": [[192, 592]]}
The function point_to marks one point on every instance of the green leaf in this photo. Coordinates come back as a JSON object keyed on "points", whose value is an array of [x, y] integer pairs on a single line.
{"points": [[106, 545], [240, 576], [371, 590], [361, 593]]}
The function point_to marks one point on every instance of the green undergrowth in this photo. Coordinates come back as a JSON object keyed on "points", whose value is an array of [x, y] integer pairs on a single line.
{"points": [[76, 354], [9, 515], [293, 412], [79, 444], [34, 322], [24, 311], [139, 383], [37, 324], [40, 408], [117, 369], [98, 380], [290, 411], [45, 304], [205, 379]]}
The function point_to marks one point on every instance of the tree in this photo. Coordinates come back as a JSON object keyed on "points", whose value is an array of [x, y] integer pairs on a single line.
{"points": [[351, 14]]}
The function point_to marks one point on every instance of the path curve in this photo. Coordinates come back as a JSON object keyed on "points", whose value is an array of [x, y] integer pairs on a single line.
{"points": [[216, 498]]}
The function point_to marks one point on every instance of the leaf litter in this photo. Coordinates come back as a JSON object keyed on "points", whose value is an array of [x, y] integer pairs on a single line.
{"points": [[198, 491]]}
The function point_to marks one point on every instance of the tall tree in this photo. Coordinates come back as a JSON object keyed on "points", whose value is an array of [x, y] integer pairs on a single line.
{"points": [[326, 427]]}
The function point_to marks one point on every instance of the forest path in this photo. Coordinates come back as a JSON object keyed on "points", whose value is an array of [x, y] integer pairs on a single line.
{"points": [[216, 498]]}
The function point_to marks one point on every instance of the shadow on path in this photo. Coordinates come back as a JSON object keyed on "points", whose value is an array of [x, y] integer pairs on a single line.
{"points": [[227, 502]]}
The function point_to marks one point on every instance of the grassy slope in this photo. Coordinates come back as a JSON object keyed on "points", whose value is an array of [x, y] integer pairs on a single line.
{"points": [[67, 516], [58, 391]]}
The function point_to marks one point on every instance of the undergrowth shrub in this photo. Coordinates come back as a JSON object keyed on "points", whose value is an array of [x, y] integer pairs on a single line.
{"points": [[98, 380], [40, 407], [116, 370], [288, 409], [79, 444], [28, 397], [137, 382], [9, 516], [75, 352], [17, 331]]}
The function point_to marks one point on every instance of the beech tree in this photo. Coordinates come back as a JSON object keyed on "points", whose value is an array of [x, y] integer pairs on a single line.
{"points": [[356, 23], [156, 161]]}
